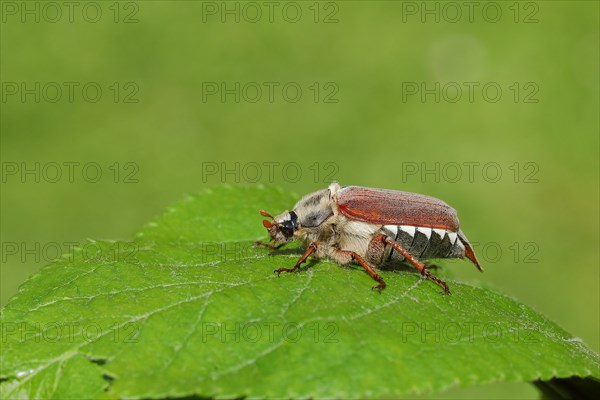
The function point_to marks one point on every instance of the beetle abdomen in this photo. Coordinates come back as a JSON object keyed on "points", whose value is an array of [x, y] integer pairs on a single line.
{"points": [[424, 243]]}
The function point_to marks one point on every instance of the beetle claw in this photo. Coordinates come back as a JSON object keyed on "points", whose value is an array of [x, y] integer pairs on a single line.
{"points": [[379, 287], [280, 270]]}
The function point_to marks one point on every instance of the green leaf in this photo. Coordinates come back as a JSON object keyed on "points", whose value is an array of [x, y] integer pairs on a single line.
{"points": [[191, 307]]}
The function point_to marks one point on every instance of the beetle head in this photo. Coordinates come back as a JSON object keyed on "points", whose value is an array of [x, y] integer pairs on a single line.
{"points": [[282, 228]]}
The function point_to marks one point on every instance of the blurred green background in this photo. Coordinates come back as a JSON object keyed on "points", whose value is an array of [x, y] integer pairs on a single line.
{"points": [[378, 107]]}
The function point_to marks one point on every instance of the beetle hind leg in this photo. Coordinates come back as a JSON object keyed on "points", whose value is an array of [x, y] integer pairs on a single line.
{"points": [[420, 266]]}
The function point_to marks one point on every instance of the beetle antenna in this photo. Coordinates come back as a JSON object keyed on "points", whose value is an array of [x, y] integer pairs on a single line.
{"points": [[265, 214], [267, 224]]}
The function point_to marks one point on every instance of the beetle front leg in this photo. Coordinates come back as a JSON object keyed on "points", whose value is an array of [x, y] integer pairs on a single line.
{"points": [[311, 249], [343, 255], [420, 266]]}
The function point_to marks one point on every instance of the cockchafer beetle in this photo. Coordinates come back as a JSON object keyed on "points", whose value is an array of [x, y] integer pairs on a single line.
{"points": [[371, 227]]}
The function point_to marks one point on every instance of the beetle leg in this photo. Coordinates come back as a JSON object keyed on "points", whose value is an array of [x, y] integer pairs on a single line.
{"points": [[311, 249], [370, 270], [422, 268], [269, 245]]}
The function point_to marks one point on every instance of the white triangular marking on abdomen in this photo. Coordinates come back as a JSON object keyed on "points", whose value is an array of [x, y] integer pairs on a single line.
{"points": [[393, 229], [409, 229], [440, 233], [453, 236], [425, 231]]}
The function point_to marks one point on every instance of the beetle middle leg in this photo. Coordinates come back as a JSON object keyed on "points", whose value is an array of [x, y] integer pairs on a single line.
{"points": [[420, 266], [345, 256], [311, 249]]}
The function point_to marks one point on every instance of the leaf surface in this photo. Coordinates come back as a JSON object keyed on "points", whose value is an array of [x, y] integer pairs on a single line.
{"points": [[191, 307]]}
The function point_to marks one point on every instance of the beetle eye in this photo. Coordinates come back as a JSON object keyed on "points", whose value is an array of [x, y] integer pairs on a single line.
{"points": [[287, 229], [287, 232], [293, 220]]}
